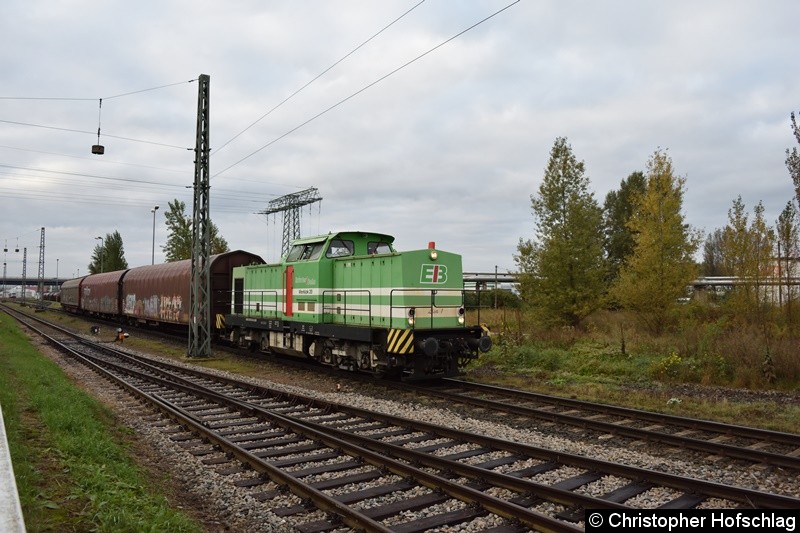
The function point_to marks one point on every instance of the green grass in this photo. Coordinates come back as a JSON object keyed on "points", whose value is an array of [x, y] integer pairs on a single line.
{"points": [[73, 468], [592, 370]]}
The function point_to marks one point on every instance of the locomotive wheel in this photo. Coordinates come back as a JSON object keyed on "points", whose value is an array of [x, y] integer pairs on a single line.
{"points": [[327, 356]]}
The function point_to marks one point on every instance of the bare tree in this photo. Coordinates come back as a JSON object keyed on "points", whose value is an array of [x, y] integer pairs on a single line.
{"points": [[787, 235], [793, 159]]}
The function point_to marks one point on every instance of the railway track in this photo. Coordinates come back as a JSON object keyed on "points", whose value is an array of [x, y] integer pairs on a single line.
{"points": [[379, 472], [738, 442]]}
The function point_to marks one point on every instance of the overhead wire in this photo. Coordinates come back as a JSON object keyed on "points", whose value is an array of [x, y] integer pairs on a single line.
{"points": [[239, 205], [318, 76], [94, 159], [56, 98], [368, 86], [306, 122], [190, 81], [130, 184], [93, 133], [80, 174], [62, 98], [150, 89]]}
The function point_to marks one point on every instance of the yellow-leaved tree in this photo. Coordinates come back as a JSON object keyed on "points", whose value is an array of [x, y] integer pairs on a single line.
{"points": [[656, 275]]}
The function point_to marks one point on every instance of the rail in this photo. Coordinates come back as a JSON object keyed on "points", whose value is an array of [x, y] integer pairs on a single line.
{"points": [[309, 436]]}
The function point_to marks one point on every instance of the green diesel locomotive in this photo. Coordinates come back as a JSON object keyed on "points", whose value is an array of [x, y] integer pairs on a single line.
{"points": [[350, 300]]}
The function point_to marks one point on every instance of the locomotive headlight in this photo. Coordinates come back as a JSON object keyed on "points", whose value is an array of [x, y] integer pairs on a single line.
{"points": [[432, 248], [461, 316], [411, 313]]}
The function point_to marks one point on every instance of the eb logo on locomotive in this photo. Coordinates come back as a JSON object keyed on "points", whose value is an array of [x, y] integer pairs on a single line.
{"points": [[433, 274]]}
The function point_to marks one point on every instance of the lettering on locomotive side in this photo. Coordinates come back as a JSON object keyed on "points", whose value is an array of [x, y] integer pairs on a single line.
{"points": [[435, 274], [433, 312]]}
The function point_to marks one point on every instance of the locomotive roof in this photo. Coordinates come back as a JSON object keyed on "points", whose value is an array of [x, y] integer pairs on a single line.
{"points": [[340, 234]]}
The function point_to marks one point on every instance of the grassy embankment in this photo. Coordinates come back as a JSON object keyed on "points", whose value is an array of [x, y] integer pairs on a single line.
{"points": [[612, 362], [72, 460], [681, 373]]}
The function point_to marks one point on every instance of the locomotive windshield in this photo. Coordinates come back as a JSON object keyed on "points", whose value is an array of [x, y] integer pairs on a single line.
{"points": [[305, 252], [340, 248], [378, 248]]}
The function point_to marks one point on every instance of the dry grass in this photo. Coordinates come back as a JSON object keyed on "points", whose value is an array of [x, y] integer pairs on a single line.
{"points": [[722, 370]]}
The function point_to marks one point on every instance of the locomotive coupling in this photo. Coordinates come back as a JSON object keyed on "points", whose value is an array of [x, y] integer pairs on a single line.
{"points": [[429, 346]]}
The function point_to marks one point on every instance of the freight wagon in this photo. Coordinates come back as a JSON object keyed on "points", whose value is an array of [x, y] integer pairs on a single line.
{"points": [[153, 294]]}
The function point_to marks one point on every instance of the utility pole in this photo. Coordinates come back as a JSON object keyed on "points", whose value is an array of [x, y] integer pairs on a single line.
{"points": [[290, 205], [24, 276], [41, 270], [495, 286], [200, 293]]}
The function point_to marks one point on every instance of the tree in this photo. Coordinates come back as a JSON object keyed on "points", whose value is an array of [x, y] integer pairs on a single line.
{"points": [[747, 251], [736, 240], [108, 256], [179, 242], [661, 267], [793, 159], [563, 268], [618, 210], [763, 253], [713, 258], [787, 235]]}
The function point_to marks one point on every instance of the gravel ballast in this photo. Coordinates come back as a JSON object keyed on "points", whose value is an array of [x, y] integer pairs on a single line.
{"points": [[221, 506]]}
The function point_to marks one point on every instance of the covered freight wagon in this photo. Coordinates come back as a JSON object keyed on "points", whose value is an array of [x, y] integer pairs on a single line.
{"points": [[161, 293], [100, 293], [70, 295]]}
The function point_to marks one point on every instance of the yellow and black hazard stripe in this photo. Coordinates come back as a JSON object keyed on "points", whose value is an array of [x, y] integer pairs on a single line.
{"points": [[220, 321], [400, 341]]}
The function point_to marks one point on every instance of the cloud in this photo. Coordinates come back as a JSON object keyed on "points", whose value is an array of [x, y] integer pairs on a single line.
{"points": [[449, 148]]}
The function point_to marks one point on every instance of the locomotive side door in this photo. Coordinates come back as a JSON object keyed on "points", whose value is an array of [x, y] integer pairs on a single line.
{"points": [[238, 296], [288, 286]]}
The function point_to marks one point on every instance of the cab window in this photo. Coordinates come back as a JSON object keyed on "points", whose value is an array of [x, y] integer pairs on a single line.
{"points": [[305, 252], [340, 248], [295, 252], [312, 251], [378, 248]]}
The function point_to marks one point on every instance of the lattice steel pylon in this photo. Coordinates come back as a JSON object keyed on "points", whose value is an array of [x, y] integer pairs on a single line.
{"points": [[200, 290], [290, 205]]}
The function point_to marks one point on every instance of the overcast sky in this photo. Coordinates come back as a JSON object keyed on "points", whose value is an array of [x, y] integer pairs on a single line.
{"points": [[447, 149]]}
